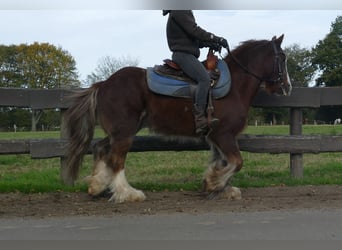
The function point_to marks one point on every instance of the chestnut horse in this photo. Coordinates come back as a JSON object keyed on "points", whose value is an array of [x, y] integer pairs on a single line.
{"points": [[123, 103]]}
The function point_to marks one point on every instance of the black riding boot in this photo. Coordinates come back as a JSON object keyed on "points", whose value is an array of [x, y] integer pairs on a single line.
{"points": [[201, 121]]}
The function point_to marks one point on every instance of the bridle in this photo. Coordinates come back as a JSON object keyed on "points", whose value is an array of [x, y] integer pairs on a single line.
{"points": [[277, 66]]}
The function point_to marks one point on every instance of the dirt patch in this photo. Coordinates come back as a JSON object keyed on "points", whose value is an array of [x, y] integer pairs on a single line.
{"points": [[254, 199]]}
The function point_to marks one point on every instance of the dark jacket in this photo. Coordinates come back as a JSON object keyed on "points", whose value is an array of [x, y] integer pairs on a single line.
{"points": [[184, 35]]}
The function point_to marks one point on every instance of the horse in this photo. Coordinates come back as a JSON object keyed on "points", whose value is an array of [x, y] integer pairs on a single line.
{"points": [[337, 121], [123, 104]]}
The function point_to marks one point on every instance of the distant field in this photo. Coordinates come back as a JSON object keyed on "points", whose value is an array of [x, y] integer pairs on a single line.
{"points": [[284, 130], [259, 130], [174, 170]]}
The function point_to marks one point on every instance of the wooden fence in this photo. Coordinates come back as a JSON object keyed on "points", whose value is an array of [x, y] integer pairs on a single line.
{"points": [[294, 144]]}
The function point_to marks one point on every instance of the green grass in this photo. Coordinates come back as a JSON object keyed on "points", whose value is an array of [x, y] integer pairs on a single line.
{"points": [[29, 135], [21, 173], [38, 135], [174, 170]]}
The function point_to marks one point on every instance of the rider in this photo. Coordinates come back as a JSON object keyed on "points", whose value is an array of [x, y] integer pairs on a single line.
{"points": [[185, 38]]}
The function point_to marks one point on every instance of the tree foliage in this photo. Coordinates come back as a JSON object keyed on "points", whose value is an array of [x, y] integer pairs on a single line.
{"points": [[107, 66], [39, 65], [22, 118], [299, 65], [327, 55], [9, 71]]}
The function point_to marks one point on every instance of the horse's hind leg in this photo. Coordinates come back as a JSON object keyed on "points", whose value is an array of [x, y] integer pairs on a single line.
{"points": [[119, 185], [101, 177], [225, 163], [108, 172]]}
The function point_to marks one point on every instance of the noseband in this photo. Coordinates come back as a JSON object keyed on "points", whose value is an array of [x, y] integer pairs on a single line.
{"points": [[276, 67]]}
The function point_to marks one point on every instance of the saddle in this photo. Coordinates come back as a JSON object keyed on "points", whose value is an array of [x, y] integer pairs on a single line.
{"points": [[169, 80], [172, 70]]}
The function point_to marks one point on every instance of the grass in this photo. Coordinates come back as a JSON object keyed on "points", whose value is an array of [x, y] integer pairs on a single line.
{"points": [[38, 135], [174, 170]]}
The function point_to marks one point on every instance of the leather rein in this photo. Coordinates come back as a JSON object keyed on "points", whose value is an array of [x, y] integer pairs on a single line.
{"points": [[277, 66]]}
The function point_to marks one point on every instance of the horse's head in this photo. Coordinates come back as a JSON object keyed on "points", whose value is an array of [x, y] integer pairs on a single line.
{"points": [[277, 80]]}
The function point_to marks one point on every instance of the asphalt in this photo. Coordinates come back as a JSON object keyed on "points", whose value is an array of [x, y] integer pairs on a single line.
{"points": [[271, 225]]}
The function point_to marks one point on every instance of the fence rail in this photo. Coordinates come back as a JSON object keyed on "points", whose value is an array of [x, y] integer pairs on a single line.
{"points": [[58, 98], [50, 148], [295, 143]]}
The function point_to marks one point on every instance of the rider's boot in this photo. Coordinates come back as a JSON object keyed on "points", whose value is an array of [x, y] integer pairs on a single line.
{"points": [[201, 121]]}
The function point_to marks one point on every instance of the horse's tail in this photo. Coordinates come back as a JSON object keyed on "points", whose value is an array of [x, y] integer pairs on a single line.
{"points": [[80, 124]]}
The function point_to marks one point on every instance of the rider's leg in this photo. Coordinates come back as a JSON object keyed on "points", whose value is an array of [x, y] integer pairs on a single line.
{"points": [[195, 69]]}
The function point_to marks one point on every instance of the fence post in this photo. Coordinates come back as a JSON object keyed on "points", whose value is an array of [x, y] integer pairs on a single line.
{"points": [[296, 160], [64, 171]]}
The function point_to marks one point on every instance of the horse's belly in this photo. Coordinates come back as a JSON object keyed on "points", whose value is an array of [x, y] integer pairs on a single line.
{"points": [[172, 116]]}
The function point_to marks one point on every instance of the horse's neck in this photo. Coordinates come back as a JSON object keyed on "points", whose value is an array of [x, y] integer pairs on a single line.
{"points": [[247, 84], [248, 90]]}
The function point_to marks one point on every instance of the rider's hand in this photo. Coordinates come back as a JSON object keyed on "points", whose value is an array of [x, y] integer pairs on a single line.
{"points": [[215, 46], [223, 42], [212, 45]]}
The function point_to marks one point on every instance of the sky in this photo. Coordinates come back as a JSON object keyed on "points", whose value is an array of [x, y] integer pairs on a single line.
{"points": [[89, 34]]}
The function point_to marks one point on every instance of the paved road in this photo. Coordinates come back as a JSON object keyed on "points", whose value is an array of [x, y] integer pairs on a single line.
{"points": [[311, 224]]}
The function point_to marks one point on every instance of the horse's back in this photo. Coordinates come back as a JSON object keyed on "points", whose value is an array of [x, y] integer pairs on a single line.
{"points": [[124, 85], [126, 76], [121, 99]]}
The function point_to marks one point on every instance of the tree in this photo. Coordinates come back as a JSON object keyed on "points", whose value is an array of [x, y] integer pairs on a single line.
{"points": [[327, 55], [45, 66], [39, 65], [107, 66], [299, 65], [9, 71], [301, 72]]}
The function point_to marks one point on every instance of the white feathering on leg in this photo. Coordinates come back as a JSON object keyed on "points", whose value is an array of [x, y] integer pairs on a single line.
{"points": [[122, 191]]}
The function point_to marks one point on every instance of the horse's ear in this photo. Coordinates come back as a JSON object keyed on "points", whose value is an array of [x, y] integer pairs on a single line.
{"points": [[279, 40]]}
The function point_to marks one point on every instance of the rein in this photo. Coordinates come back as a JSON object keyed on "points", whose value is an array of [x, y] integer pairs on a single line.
{"points": [[276, 62]]}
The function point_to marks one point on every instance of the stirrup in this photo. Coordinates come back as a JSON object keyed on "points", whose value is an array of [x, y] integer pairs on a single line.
{"points": [[213, 122], [202, 131]]}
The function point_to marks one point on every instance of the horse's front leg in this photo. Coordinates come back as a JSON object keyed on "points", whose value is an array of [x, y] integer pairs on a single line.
{"points": [[225, 163]]}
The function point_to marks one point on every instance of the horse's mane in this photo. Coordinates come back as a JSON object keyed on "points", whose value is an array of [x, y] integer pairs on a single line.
{"points": [[248, 47]]}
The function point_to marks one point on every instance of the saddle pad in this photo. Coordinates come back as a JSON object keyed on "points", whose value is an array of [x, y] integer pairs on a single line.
{"points": [[164, 85]]}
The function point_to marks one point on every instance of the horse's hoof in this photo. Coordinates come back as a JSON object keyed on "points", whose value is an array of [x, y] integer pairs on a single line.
{"points": [[232, 193], [95, 187], [229, 193], [212, 195], [105, 194], [129, 196]]}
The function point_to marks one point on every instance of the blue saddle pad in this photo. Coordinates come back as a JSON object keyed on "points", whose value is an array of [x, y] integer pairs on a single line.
{"points": [[172, 87]]}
